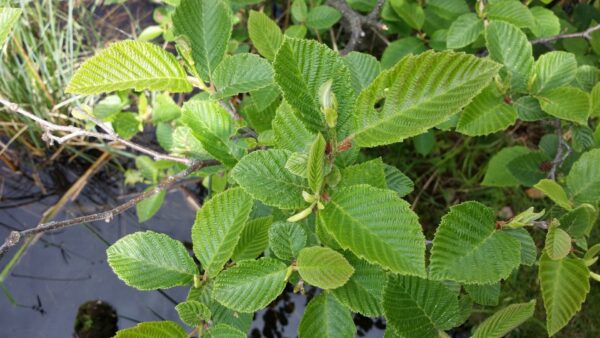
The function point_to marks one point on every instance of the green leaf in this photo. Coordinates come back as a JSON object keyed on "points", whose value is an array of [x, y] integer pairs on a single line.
{"points": [[485, 256], [250, 285], [212, 126], [587, 77], [378, 226], [301, 67], [565, 284], [164, 135], [420, 92], [511, 11], [108, 107], [260, 117], [509, 46], [567, 103], [165, 109], [552, 70], [424, 143], [370, 172], [223, 331], [323, 267], [528, 248], [505, 320], [400, 48], [362, 5], [580, 221], [265, 34], [316, 164], [207, 25], [254, 239], [287, 239], [193, 313], [149, 261], [150, 33], [147, 167], [364, 68], [147, 208], [363, 293], [583, 181], [546, 22], [153, 330], [297, 164], [126, 125], [486, 114], [526, 168], [398, 181], [464, 31], [447, 9], [241, 73], [220, 314], [129, 65], [299, 10], [322, 17], [263, 175], [266, 98], [290, 132], [185, 144], [555, 192], [485, 294], [325, 317], [296, 31], [410, 12], [558, 242], [8, 18], [218, 227], [595, 100], [418, 308], [528, 109]]}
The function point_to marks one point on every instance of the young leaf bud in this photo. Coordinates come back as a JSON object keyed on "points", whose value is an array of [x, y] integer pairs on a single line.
{"points": [[309, 198], [301, 215], [526, 218], [328, 103]]}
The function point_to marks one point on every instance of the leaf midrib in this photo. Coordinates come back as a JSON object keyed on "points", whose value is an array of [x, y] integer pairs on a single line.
{"points": [[470, 252], [128, 82], [157, 266], [372, 234], [399, 113]]}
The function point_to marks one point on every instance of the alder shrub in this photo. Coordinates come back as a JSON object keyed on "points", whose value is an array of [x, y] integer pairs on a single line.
{"points": [[293, 204]]}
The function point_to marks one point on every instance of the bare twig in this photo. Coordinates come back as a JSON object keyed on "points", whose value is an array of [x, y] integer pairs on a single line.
{"points": [[586, 34], [15, 236], [356, 22], [563, 151], [73, 132], [540, 225], [54, 210]]}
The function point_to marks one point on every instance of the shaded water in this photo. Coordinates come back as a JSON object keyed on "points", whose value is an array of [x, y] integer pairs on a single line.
{"points": [[67, 268]]}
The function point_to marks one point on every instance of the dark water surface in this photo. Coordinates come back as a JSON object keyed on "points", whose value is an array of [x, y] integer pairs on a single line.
{"points": [[68, 268]]}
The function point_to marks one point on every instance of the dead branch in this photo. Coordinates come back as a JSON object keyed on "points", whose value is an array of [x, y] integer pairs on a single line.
{"points": [[563, 151], [50, 128], [586, 34], [356, 22], [16, 236]]}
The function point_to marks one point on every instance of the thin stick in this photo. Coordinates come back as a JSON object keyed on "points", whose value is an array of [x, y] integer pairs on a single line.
{"points": [[5, 146], [50, 213], [563, 151], [15, 236], [73, 132], [356, 21], [586, 34]]}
